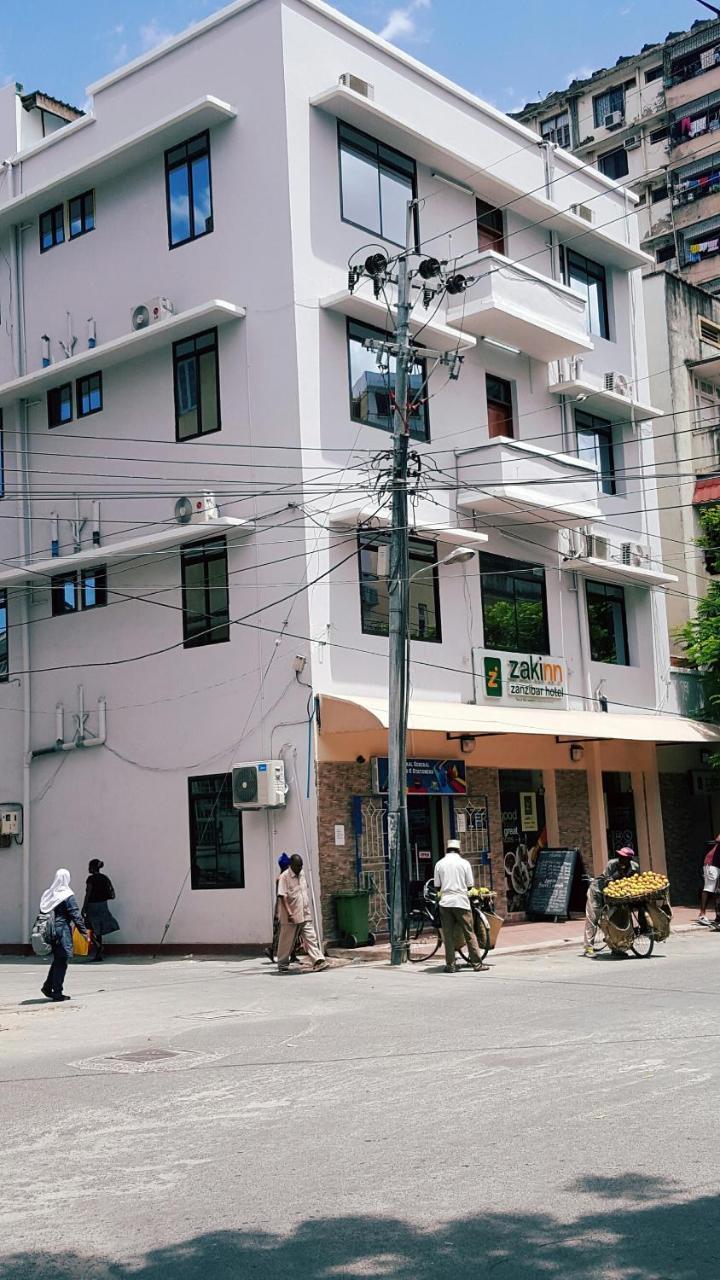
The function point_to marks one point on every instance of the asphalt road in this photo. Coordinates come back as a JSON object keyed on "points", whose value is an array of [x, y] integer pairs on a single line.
{"points": [[554, 1117]]}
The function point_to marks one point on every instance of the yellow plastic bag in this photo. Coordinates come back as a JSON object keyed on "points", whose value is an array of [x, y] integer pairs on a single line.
{"points": [[81, 945]]}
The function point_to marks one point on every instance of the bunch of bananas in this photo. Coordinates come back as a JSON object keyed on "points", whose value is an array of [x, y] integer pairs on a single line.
{"points": [[641, 886]]}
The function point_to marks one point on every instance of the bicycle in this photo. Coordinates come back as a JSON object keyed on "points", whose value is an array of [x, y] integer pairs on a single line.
{"points": [[425, 934]]}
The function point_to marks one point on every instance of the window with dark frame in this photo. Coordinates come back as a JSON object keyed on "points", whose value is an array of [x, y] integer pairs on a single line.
{"points": [[653, 73], [607, 622], [79, 590], [372, 390], [557, 129], [88, 395], [665, 253], [196, 382], [659, 135], [595, 444], [490, 227], [499, 393], [81, 214], [614, 164], [514, 605], [607, 103], [216, 834], [52, 228], [589, 279], [60, 405], [658, 193], [373, 552], [376, 183], [205, 594], [4, 656], [188, 186]]}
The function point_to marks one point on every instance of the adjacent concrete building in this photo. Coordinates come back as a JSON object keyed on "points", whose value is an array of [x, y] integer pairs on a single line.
{"points": [[192, 560]]}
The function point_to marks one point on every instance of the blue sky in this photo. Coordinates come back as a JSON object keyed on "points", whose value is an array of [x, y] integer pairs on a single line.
{"points": [[506, 53]]}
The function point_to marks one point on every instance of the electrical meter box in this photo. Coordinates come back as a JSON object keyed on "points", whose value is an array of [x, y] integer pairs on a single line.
{"points": [[11, 824]]}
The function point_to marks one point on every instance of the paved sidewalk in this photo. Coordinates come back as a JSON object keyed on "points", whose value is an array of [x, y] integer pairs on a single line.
{"points": [[535, 935]]}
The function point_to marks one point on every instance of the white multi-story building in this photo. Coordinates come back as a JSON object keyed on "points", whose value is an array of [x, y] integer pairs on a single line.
{"points": [[177, 323]]}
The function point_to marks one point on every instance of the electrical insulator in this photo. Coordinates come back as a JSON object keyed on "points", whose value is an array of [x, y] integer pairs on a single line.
{"points": [[456, 284], [376, 264], [429, 268]]}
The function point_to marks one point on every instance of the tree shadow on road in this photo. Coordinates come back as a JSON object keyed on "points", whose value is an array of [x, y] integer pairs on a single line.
{"points": [[644, 1231]]}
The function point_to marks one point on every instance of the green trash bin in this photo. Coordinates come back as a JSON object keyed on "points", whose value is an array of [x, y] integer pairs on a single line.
{"points": [[352, 906]]}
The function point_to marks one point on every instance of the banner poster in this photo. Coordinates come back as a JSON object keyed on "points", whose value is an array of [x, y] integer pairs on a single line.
{"points": [[424, 777]]}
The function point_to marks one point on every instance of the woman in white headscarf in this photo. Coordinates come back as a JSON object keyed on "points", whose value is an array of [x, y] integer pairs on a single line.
{"points": [[60, 900]]}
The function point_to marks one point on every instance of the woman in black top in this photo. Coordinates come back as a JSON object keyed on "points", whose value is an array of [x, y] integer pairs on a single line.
{"points": [[61, 902], [98, 892]]}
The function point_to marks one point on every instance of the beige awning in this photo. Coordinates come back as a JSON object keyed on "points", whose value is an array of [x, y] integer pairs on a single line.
{"points": [[358, 714]]}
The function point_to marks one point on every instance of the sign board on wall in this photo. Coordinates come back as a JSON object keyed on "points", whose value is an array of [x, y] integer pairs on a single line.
{"points": [[520, 678], [424, 777]]}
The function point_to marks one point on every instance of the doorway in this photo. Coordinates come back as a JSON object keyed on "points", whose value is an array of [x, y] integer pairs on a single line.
{"points": [[619, 812], [426, 827], [522, 806]]}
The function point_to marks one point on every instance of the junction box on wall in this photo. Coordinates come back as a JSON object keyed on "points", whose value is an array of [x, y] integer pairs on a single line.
{"points": [[11, 824]]}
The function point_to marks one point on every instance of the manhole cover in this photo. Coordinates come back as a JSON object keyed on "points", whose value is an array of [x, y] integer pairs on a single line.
{"points": [[137, 1060], [145, 1055]]}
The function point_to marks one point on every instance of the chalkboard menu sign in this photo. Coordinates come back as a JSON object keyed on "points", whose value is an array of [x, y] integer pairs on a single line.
{"points": [[551, 883]]}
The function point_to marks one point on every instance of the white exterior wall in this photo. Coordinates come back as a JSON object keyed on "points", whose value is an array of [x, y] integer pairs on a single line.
{"points": [[278, 240]]}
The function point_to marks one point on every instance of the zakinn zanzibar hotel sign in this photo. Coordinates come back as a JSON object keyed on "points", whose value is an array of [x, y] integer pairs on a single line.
{"points": [[521, 677]]}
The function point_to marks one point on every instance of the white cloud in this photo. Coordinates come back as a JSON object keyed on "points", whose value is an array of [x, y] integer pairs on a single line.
{"points": [[152, 34], [402, 22], [578, 73]]}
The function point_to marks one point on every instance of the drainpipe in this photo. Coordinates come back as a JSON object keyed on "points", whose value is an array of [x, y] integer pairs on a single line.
{"points": [[24, 525]]}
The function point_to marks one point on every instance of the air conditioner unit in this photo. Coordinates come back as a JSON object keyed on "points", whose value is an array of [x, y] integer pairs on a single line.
{"points": [[199, 508], [357, 85], [259, 784], [583, 211], [633, 553], [614, 119], [631, 143], [618, 383], [150, 312], [596, 548]]}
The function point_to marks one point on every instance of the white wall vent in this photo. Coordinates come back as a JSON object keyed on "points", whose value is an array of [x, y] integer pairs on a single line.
{"points": [[363, 87], [259, 784], [583, 211], [150, 312], [618, 383], [199, 508]]}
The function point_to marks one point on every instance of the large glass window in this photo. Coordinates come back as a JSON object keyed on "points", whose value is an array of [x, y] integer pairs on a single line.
{"points": [[606, 104], [595, 444], [197, 386], [557, 129], [189, 190], [3, 637], [376, 183], [206, 602], [64, 593], [79, 590], [608, 623], [81, 214], [88, 395], [60, 405], [372, 390], [374, 552], [499, 406], [52, 228], [614, 164], [216, 837], [588, 278], [514, 605]]}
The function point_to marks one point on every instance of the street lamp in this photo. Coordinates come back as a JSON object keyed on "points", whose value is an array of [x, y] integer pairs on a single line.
{"points": [[458, 555]]}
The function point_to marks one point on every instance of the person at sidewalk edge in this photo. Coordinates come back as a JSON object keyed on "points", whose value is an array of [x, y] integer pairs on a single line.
{"points": [[453, 877], [96, 912], [296, 923], [272, 950], [623, 864], [60, 899], [711, 874]]}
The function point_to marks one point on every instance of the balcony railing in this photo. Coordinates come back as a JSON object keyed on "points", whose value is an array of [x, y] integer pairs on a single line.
{"points": [[510, 304], [515, 483]]}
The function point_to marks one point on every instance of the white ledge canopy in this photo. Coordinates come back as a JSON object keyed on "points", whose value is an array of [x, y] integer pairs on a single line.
{"points": [[367, 114], [615, 571], [151, 141], [356, 714], [137, 342], [40, 572], [597, 400], [369, 518], [362, 306]]}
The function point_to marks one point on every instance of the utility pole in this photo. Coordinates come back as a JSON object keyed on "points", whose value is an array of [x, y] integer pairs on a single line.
{"points": [[398, 605], [430, 270]]}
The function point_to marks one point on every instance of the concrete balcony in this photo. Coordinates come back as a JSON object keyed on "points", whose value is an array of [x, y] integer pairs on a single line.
{"points": [[697, 147], [513, 305], [568, 378], [703, 206], [676, 95], [506, 482]]}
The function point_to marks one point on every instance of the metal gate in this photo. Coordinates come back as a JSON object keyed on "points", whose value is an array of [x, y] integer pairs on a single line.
{"points": [[371, 843], [472, 828]]}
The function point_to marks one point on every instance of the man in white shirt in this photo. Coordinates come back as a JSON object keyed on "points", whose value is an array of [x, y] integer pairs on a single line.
{"points": [[453, 877]]}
